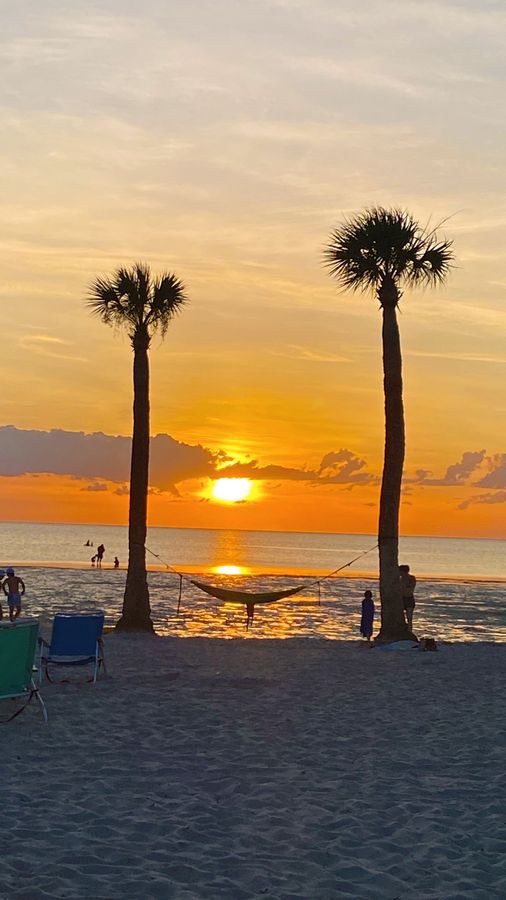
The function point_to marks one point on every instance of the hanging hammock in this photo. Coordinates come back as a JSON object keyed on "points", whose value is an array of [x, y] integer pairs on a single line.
{"points": [[246, 597], [249, 598]]}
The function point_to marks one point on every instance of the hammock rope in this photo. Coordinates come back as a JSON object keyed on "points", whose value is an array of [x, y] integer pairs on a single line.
{"points": [[251, 598]]}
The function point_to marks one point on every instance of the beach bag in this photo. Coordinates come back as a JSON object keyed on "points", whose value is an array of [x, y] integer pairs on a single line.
{"points": [[428, 644]]}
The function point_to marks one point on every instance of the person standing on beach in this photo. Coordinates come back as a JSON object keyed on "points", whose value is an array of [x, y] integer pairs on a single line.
{"points": [[408, 584], [2, 576], [116, 562], [14, 588], [100, 554], [367, 620]]}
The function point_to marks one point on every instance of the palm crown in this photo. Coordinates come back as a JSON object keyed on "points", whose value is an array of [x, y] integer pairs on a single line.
{"points": [[132, 297], [381, 245]]}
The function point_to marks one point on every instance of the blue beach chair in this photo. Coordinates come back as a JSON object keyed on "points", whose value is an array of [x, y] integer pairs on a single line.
{"points": [[76, 641], [18, 644]]}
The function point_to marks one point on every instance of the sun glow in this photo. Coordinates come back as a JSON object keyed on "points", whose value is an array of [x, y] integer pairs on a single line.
{"points": [[231, 490]]}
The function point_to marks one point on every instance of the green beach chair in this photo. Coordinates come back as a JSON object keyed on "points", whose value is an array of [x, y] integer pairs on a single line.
{"points": [[18, 644]]}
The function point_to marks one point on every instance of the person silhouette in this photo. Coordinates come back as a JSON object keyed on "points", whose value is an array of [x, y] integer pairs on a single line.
{"points": [[100, 554], [14, 588], [408, 584], [367, 620], [116, 562]]}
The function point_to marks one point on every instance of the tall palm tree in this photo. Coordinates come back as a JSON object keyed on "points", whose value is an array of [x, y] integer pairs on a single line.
{"points": [[380, 250], [142, 304]]}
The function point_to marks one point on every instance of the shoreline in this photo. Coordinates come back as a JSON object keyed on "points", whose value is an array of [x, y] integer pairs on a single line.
{"points": [[198, 569]]}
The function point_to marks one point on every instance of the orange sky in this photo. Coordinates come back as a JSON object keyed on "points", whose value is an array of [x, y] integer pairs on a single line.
{"points": [[227, 156]]}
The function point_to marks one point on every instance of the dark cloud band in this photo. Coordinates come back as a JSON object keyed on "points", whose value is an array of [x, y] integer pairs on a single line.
{"points": [[102, 456]]}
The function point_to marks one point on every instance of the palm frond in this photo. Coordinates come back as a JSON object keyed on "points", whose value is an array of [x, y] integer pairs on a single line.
{"points": [[433, 264], [132, 286], [104, 302], [133, 299], [168, 297], [143, 283], [379, 244]]}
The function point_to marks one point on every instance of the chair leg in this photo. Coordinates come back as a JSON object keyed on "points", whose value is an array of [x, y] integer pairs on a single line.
{"points": [[35, 692], [101, 655], [39, 672], [43, 706]]}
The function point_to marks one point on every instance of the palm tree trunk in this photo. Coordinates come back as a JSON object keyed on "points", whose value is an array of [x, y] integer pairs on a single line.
{"points": [[136, 614], [393, 623]]}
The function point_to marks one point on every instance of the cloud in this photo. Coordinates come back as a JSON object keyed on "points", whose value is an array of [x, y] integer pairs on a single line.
{"points": [[104, 461], [122, 491], [496, 478], [456, 474], [335, 457], [102, 456], [499, 497], [336, 467], [343, 467], [107, 457], [95, 486], [294, 351], [252, 469], [460, 473], [47, 345], [449, 356]]}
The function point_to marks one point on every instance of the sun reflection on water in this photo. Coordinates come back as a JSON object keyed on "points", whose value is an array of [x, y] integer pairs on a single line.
{"points": [[230, 570]]}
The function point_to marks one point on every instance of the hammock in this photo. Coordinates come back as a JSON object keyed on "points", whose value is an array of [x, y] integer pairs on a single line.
{"points": [[246, 597], [250, 598]]}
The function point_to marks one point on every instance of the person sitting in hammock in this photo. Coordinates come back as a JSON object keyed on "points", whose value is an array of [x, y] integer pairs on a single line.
{"points": [[367, 620]]}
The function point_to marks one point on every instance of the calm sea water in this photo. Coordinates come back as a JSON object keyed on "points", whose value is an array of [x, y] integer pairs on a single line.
{"points": [[461, 592], [256, 552]]}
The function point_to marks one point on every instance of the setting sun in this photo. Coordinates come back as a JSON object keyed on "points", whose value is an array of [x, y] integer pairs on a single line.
{"points": [[231, 490]]}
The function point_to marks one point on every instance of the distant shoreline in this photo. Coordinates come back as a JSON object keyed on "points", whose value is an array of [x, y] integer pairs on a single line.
{"points": [[352, 534]]}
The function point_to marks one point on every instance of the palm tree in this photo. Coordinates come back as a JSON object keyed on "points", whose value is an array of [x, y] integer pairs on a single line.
{"points": [[380, 250], [134, 300]]}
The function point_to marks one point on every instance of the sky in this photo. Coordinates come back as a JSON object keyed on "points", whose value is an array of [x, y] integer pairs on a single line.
{"points": [[224, 141]]}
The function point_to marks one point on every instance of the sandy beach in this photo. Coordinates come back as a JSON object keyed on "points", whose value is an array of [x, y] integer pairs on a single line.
{"points": [[238, 769]]}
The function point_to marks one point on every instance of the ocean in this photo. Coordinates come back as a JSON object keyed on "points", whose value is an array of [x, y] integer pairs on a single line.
{"points": [[256, 552], [461, 591]]}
